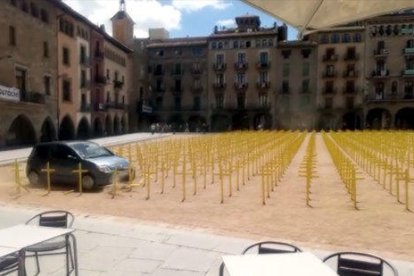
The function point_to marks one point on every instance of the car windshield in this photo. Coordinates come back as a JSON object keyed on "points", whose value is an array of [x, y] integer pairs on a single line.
{"points": [[91, 150]]}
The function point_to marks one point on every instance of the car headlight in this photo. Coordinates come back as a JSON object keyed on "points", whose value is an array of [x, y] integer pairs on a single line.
{"points": [[105, 169]]}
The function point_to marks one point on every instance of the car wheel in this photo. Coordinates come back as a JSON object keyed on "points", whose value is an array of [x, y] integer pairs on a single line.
{"points": [[88, 183], [33, 178]]}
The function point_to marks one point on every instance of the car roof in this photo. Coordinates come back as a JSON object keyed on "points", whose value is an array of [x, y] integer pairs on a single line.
{"points": [[67, 143]]}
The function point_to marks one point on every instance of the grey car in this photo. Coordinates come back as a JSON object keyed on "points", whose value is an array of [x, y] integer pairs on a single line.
{"points": [[64, 157]]}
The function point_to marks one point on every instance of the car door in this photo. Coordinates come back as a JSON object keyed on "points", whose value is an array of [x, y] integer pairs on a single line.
{"points": [[64, 160]]}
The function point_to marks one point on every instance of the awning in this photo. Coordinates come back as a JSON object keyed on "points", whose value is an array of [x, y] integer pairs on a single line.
{"points": [[308, 15]]}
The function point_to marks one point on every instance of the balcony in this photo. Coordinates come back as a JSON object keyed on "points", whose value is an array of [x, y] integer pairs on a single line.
{"points": [[351, 57], [116, 105], [32, 97], [350, 74], [177, 72], [327, 90], [176, 90], [159, 72], [329, 74], [219, 66], [100, 107], [85, 107], [241, 65], [331, 57], [85, 84], [350, 90], [219, 85], [408, 51], [241, 86], [118, 84], [196, 70], [197, 89], [85, 61], [263, 65], [99, 54], [100, 79], [160, 89], [381, 53], [383, 73], [407, 73], [285, 90], [263, 85]]}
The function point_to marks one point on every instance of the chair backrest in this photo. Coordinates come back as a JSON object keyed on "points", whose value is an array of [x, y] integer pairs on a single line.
{"points": [[272, 247], [267, 247], [360, 264], [56, 218]]}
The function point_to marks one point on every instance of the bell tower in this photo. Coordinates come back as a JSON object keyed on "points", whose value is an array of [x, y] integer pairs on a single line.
{"points": [[123, 25]]}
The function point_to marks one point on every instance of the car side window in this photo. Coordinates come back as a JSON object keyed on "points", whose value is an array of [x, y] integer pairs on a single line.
{"points": [[42, 153], [61, 152]]}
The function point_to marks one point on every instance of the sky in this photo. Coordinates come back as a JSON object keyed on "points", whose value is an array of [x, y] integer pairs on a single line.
{"points": [[180, 18]]}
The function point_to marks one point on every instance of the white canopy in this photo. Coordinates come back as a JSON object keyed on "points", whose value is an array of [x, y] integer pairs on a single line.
{"points": [[307, 15]]}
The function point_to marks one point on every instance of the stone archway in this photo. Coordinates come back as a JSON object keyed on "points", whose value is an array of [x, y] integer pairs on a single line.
{"points": [[177, 123], [108, 126], [378, 118], [220, 122], [262, 121], [240, 121], [404, 119], [67, 129], [98, 130], [83, 129], [196, 123], [327, 121], [351, 121], [123, 125], [21, 132], [48, 131]]}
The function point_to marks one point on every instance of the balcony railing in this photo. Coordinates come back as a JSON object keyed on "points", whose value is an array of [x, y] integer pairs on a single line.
{"points": [[241, 65], [383, 73], [381, 52], [177, 72], [241, 86], [263, 65], [350, 90], [332, 57], [219, 85], [116, 105], [329, 90], [85, 61], [159, 72], [350, 57], [99, 54], [118, 84], [408, 51], [329, 74], [196, 70], [32, 97], [407, 73], [85, 107], [86, 84], [100, 107], [100, 79], [285, 90], [350, 74], [219, 66], [263, 84]]}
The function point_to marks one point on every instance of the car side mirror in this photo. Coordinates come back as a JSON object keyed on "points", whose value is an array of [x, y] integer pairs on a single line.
{"points": [[72, 157]]}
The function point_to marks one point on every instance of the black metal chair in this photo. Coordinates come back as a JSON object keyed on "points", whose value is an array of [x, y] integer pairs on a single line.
{"points": [[9, 264], [61, 245], [360, 264], [266, 247]]}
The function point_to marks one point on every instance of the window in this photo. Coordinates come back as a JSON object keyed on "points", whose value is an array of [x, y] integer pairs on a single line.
{"points": [[285, 87], [241, 58], [263, 77], [408, 90], [66, 88], [177, 69], [335, 38], [241, 78], [34, 10], [394, 88], [286, 69], [108, 76], [196, 103], [21, 76], [158, 102], [83, 55], [46, 84], [235, 44], [178, 52], [305, 86], [66, 56], [220, 45], [213, 45], [306, 53], [45, 49], [220, 79], [328, 103], [286, 54], [258, 43], [305, 69], [160, 53], [12, 35], [108, 97], [13, 2], [219, 101], [197, 51], [346, 38], [24, 6], [263, 100], [324, 39], [44, 16], [83, 79], [177, 103], [357, 37], [264, 57], [349, 102], [248, 44], [350, 53], [219, 58]]}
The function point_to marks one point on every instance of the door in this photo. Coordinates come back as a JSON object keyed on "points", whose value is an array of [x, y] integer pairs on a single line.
{"points": [[64, 160]]}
